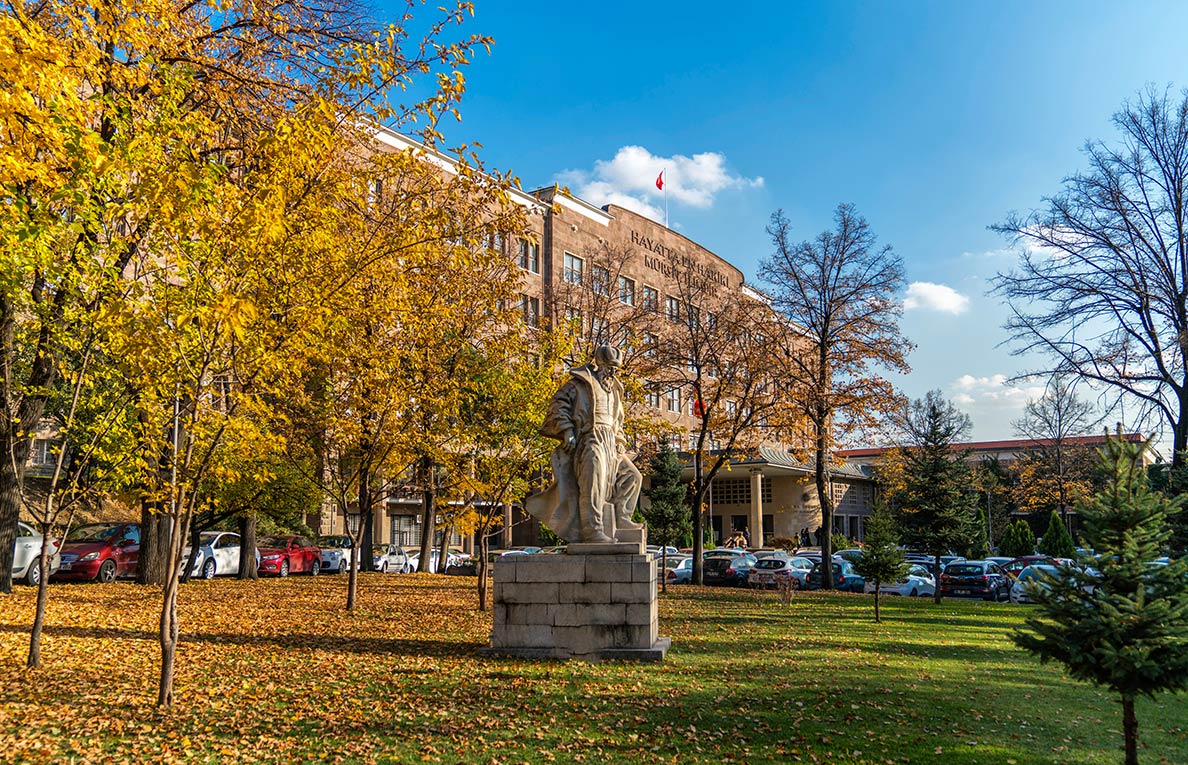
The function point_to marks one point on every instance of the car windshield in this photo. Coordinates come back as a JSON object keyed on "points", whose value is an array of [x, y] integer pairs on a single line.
{"points": [[100, 532], [207, 537], [335, 541], [771, 563], [1035, 572], [955, 569], [274, 542]]}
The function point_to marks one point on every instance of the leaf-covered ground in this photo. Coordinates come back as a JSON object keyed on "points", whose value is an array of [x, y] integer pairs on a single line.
{"points": [[276, 671]]}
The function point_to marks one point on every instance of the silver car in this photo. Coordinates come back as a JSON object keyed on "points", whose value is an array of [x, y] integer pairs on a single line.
{"points": [[218, 554], [390, 559], [28, 548], [917, 581]]}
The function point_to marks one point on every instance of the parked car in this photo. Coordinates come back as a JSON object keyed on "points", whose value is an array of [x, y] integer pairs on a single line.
{"points": [[917, 581], [773, 572], [657, 551], [851, 555], [729, 570], [28, 549], [974, 579], [671, 562], [218, 554], [414, 560], [727, 552], [336, 553], [1016, 565], [100, 552], [845, 578], [289, 554], [682, 573], [1032, 576], [390, 559]]}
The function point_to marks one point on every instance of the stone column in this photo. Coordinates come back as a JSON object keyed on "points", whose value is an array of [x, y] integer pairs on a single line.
{"points": [[506, 532], [756, 522]]}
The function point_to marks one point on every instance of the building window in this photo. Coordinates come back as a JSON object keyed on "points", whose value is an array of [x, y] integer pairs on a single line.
{"points": [[531, 307], [711, 321], [653, 396], [692, 441], [599, 330], [406, 530], [674, 400], [601, 280], [626, 291], [731, 409], [42, 452], [530, 256], [672, 308], [495, 241], [651, 344], [674, 440], [651, 299], [572, 272], [574, 318]]}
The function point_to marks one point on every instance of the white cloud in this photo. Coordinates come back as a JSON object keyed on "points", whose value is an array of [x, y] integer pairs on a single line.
{"points": [[935, 297], [992, 402], [629, 180]]}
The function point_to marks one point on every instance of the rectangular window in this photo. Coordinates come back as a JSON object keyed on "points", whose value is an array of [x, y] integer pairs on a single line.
{"points": [[572, 271], [711, 321], [651, 344], [599, 330], [530, 256], [672, 308], [674, 400], [574, 317], [531, 308], [601, 280], [731, 409], [653, 396], [626, 291], [495, 241], [42, 453], [692, 441], [651, 299], [674, 440]]}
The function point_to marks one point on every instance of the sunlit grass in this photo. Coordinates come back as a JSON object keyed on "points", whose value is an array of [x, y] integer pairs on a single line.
{"points": [[276, 671]]}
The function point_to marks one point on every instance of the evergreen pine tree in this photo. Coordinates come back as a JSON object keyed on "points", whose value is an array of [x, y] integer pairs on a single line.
{"points": [[1018, 540], [881, 561], [1057, 542], [979, 544], [1026, 537], [667, 514], [1118, 621]]}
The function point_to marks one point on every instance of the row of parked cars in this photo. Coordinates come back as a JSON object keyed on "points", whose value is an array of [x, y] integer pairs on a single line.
{"points": [[994, 579], [106, 551]]}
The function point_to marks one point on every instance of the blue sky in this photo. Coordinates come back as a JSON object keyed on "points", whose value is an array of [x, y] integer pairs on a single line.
{"points": [[934, 119]]}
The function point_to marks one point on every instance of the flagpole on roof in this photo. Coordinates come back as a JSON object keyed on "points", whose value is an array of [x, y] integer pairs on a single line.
{"points": [[666, 203]]}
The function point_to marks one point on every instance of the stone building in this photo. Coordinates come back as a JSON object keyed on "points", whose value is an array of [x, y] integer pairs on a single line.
{"points": [[560, 255]]}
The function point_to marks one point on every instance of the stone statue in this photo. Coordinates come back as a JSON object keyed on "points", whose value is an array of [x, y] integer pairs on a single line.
{"points": [[595, 485]]}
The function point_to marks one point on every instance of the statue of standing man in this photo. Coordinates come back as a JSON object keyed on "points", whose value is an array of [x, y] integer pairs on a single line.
{"points": [[595, 484]]}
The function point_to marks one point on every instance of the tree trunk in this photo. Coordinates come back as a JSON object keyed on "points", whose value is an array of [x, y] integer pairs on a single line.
{"points": [[444, 550], [825, 498], [353, 576], [484, 545], [1130, 730], [698, 525], [936, 595], [428, 514], [664, 569], [42, 597], [365, 561], [168, 626], [247, 547], [195, 530], [154, 544], [878, 587], [10, 503]]}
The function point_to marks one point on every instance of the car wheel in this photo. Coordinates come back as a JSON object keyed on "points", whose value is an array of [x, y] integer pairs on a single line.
{"points": [[284, 569], [384, 567], [107, 572], [315, 568], [208, 569], [33, 578]]}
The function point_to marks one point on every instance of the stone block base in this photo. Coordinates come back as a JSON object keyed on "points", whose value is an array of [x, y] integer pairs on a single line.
{"points": [[587, 607]]}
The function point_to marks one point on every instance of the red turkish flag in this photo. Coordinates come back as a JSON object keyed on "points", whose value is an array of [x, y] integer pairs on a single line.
{"points": [[660, 181]]}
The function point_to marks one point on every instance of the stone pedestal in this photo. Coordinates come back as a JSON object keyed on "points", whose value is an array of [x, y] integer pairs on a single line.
{"points": [[579, 605]]}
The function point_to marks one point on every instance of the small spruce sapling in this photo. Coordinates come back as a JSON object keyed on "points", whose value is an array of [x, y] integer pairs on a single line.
{"points": [[1117, 619], [881, 561], [1057, 542]]}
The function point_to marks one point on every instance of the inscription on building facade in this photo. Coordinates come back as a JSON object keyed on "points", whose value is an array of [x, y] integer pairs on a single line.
{"points": [[668, 260]]}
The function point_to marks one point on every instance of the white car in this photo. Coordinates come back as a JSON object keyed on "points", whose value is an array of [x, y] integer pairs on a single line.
{"points": [[916, 582], [28, 548], [218, 554], [414, 561], [391, 559], [336, 553], [1034, 575]]}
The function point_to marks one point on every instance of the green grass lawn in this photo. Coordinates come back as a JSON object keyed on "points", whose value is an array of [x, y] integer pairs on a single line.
{"points": [[275, 671]]}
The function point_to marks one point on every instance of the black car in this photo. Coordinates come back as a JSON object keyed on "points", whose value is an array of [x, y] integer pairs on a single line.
{"points": [[974, 579], [727, 571]]}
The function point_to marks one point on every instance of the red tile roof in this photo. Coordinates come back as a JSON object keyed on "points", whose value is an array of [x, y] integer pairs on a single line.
{"points": [[988, 446]]}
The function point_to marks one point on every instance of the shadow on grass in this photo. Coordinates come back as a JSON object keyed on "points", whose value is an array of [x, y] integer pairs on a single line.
{"points": [[377, 646]]}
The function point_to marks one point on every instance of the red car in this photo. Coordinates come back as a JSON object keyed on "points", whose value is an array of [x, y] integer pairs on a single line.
{"points": [[1016, 566], [100, 552], [284, 555]]}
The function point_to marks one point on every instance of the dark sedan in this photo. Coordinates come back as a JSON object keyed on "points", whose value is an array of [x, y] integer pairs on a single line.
{"points": [[974, 579], [731, 572]]}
